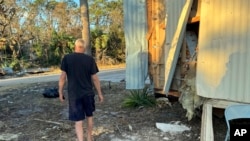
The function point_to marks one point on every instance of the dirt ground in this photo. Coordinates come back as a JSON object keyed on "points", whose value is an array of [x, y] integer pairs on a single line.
{"points": [[25, 115]]}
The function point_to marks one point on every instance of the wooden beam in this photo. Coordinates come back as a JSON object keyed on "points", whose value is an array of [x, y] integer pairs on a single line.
{"points": [[194, 19]]}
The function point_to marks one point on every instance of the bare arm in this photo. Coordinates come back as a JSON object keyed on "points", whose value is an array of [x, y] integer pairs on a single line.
{"points": [[97, 85], [61, 83]]}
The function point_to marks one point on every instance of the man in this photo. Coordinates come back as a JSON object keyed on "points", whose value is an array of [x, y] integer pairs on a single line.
{"points": [[80, 71]]}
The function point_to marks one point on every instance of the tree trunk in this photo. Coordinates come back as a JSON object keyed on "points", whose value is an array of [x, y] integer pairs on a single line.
{"points": [[85, 24]]}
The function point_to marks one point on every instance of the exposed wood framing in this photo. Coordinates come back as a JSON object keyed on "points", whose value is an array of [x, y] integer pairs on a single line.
{"points": [[195, 12], [156, 35], [156, 20], [194, 19]]}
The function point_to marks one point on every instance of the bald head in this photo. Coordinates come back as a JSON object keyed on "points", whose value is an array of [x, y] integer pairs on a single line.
{"points": [[79, 46]]}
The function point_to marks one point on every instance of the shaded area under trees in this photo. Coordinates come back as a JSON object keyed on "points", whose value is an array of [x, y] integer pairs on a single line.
{"points": [[39, 32]]}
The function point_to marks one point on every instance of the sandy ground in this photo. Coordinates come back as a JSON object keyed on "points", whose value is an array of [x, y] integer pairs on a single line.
{"points": [[27, 116]]}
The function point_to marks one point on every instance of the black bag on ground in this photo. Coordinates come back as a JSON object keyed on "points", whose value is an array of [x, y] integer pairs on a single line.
{"points": [[51, 93]]}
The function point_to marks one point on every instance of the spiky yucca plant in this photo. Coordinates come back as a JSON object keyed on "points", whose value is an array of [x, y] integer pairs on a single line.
{"points": [[138, 98]]}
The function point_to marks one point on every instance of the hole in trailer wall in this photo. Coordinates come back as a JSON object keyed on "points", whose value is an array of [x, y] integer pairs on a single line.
{"points": [[193, 27]]}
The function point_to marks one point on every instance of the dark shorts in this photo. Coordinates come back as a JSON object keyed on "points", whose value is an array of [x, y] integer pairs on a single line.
{"points": [[82, 107]]}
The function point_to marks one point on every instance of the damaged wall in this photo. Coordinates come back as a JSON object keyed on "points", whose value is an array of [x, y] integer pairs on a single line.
{"points": [[223, 64], [175, 29]]}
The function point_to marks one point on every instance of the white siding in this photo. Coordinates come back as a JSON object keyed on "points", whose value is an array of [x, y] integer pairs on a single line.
{"points": [[223, 67], [136, 45]]}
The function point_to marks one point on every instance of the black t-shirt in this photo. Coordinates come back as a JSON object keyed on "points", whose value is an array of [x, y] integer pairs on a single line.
{"points": [[79, 67]]}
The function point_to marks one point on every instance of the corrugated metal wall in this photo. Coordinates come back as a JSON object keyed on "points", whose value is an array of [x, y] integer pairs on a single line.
{"points": [[174, 9], [223, 67], [177, 16], [136, 45]]}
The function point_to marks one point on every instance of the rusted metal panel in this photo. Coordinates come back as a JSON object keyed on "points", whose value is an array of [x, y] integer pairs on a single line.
{"points": [[135, 27], [177, 16], [223, 64]]}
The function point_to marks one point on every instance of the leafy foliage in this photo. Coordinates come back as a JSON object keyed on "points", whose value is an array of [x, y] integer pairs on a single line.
{"points": [[107, 35], [52, 53], [40, 32], [138, 98], [116, 46]]}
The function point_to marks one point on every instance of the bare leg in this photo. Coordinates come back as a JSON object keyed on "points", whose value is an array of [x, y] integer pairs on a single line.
{"points": [[90, 128], [79, 130]]}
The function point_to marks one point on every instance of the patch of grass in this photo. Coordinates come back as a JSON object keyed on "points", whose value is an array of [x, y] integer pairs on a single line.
{"points": [[138, 98]]}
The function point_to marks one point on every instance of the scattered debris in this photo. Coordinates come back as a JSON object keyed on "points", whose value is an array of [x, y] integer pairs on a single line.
{"points": [[130, 127], [2, 124], [101, 130], [8, 70], [189, 98], [10, 102], [22, 73], [49, 114], [176, 127], [2, 72], [47, 121], [118, 129], [114, 113], [162, 102], [8, 137], [51, 93], [37, 70]]}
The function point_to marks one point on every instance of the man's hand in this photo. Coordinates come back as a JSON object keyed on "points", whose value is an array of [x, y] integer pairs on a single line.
{"points": [[100, 97], [96, 82], [61, 84], [61, 97]]}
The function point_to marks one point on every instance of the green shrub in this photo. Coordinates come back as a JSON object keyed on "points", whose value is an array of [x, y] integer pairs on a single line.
{"points": [[13, 63], [138, 98]]}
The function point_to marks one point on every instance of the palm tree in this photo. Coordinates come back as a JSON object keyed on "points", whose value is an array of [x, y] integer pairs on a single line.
{"points": [[85, 24]]}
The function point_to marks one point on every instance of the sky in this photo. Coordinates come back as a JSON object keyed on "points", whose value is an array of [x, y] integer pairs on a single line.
{"points": [[78, 2]]}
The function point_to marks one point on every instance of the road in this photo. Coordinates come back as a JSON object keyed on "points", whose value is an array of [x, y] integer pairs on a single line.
{"points": [[113, 75]]}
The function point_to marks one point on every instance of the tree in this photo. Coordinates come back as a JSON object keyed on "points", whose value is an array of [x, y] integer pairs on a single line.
{"points": [[85, 25], [40, 32], [7, 40], [28, 27], [107, 33]]}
